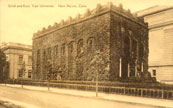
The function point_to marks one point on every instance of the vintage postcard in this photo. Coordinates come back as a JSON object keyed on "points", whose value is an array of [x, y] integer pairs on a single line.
{"points": [[86, 53]]}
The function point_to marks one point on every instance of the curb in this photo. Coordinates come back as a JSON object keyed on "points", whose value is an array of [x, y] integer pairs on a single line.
{"points": [[100, 98]]}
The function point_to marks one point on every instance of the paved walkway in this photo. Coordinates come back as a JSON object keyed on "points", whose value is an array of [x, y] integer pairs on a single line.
{"points": [[112, 97]]}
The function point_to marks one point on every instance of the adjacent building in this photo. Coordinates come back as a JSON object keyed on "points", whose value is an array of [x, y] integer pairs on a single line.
{"points": [[108, 42], [160, 24], [19, 57]]}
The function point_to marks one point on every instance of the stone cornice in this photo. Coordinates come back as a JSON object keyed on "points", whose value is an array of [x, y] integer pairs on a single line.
{"points": [[160, 25], [160, 66], [141, 22], [156, 12], [99, 10], [17, 53], [16, 48]]}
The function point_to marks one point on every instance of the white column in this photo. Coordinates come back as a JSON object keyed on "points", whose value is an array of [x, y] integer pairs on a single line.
{"points": [[142, 67], [128, 70], [120, 70], [3, 72], [136, 68]]}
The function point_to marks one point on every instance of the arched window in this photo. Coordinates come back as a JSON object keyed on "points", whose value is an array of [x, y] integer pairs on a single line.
{"points": [[62, 57], [63, 49], [56, 50], [79, 63], [134, 49], [127, 47], [90, 43], [49, 53], [44, 63], [38, 56], [126, 56], [44, 55], [141, 51], [71, 47], [71, 59], [80, 46], [38, 61]]}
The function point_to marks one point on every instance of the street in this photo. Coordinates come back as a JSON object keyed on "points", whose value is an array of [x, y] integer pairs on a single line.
{"points": [[45, 99]]}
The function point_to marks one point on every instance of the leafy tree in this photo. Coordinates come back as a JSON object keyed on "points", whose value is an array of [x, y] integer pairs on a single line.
{"points": [[23, 69], [97, 66], [49, 69], [63, 72], [2, 64], [2, 58]]}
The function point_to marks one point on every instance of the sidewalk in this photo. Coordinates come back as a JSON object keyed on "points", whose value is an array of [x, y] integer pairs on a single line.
{"points": [[112, 97]]}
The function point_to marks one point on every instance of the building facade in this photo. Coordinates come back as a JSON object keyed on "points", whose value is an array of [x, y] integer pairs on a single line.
{"points": [[160, 22], [108, 42], [19, 56]]}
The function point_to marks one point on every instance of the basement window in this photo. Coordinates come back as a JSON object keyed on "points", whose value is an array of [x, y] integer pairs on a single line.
{"points": [[154, 72]]}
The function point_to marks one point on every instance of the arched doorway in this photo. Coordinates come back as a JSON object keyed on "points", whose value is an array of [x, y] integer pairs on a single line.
{"points": [[126, 56], [79, 62], [134, 58]]}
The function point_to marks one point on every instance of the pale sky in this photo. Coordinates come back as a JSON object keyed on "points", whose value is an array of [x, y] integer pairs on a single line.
{"points": [[17, 24]]}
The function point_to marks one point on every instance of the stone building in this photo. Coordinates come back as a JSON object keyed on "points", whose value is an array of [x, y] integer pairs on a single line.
{"points": [[160, 24], [18, 55], [108, 41]]}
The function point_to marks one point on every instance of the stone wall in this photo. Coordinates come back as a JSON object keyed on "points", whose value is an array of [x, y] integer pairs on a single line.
{"points": [[106, 42], [76, 45], [134, 51], [13, 51]]}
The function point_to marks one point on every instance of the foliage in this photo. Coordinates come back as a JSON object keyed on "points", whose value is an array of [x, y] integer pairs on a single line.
{"points": [[23, 69], [147, 85], [145, 77], [5, 104], [49, 69], [2, 59], [96, 66], [2, 64], [63, 72]]}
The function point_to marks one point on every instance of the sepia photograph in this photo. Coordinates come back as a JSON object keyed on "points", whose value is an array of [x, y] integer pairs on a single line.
{"points": [[86, 53]]}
